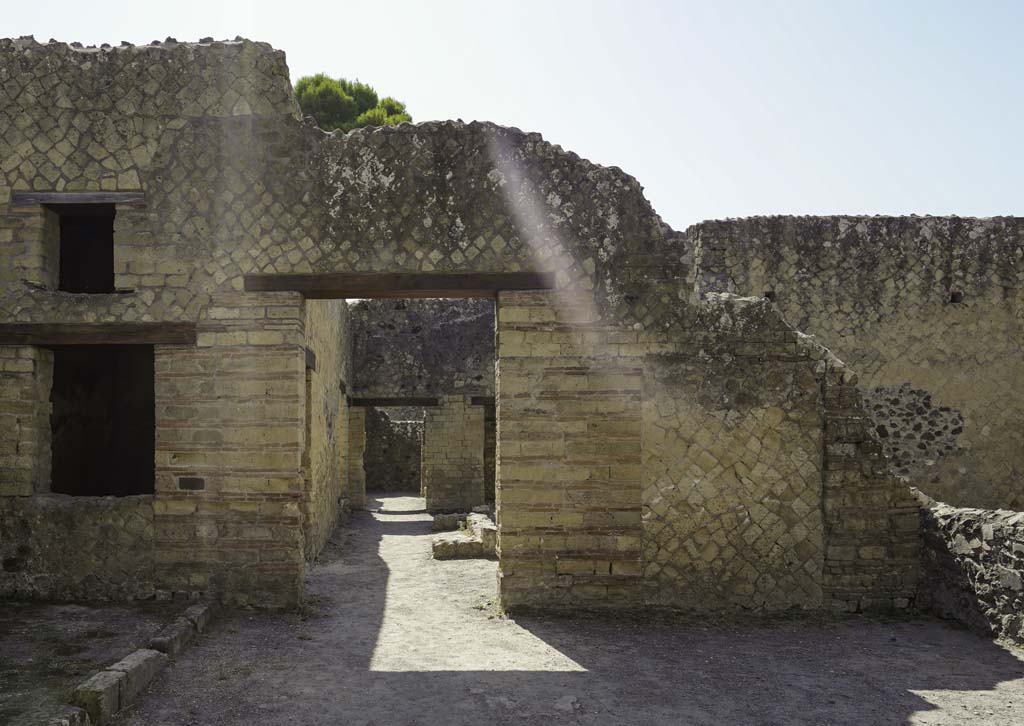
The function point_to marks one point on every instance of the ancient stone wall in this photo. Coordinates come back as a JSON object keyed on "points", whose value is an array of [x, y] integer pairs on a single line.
{"points": [[685, 470], [871, 532], [230, 416], [452, 462], [328, 337], [209, 134], [26, 376], [568, 499], [200, 129], [57, 547], [732, 480], [355, 491], [448, 197], [393, 450], [423, 347], [973, 568], [236, 183], [927, 310], [490, 449]]}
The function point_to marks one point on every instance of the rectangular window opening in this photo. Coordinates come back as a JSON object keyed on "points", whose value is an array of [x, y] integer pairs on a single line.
{"points": [[103, 420], [86, 247]]}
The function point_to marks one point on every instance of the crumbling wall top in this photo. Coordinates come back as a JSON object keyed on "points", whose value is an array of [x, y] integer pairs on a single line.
{"points": [[422, 347], [207, 78]]}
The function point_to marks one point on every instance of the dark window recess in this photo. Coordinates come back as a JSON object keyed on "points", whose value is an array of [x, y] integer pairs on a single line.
{"points": [[103, 421], [86, 247]]}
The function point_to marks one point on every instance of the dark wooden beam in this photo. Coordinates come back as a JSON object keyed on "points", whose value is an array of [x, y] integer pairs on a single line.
{"points": [[394, 401], [134, 199], [333, 285], [481, 400], [47, 334]]}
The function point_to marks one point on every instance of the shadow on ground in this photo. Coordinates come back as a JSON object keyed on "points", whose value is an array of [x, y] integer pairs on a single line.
{"points": [[394, 637]]}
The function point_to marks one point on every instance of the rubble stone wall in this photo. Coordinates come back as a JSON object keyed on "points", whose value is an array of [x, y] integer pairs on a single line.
{"points": [[209, 132], [423, 347], [393, 451], [929, 311], [57, 547], [973, 568], [452, 463]]}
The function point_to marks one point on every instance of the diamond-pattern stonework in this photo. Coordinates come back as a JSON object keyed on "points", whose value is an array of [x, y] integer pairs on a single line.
{"points": [[658, 443], [932, 304], [732, 485]]}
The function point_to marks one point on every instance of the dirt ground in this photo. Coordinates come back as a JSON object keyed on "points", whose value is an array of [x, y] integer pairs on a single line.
{"points": [[47, 649], [395, 637]]}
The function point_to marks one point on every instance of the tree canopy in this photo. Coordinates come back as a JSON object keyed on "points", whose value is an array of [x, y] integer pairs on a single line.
{"points": [[345, 105]]}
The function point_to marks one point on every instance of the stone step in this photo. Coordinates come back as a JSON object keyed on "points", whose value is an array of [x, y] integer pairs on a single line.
{"points": [[477, 538]]}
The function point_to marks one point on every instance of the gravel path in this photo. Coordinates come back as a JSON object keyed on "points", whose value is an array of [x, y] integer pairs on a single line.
{"points": [[393, 637]]}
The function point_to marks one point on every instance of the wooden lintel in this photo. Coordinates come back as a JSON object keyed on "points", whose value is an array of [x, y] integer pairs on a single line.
{"points": [[49, 334], [133, 199], [481, 400], [310, 359], [394, 401], [335, 285]]}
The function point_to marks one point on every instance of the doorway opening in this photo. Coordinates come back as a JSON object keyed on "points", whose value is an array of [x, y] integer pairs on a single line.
{"points": [[424, 371]]}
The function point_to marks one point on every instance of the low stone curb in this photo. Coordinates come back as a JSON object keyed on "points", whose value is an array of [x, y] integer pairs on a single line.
{"points": [[174, 637], [118, 686]]}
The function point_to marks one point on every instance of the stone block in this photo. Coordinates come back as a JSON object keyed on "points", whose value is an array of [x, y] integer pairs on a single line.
{"points": [[100, 696], [139, 669], [482, 528], [456, 545], [173, 637], [448, 521], [200, 615]]}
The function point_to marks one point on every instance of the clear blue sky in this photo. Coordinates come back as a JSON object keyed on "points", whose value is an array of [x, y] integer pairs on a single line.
{"points": [[720, 109]]}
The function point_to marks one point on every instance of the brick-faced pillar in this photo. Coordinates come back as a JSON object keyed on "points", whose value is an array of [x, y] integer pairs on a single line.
{"points": [[229, 441], [568, 488]]}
